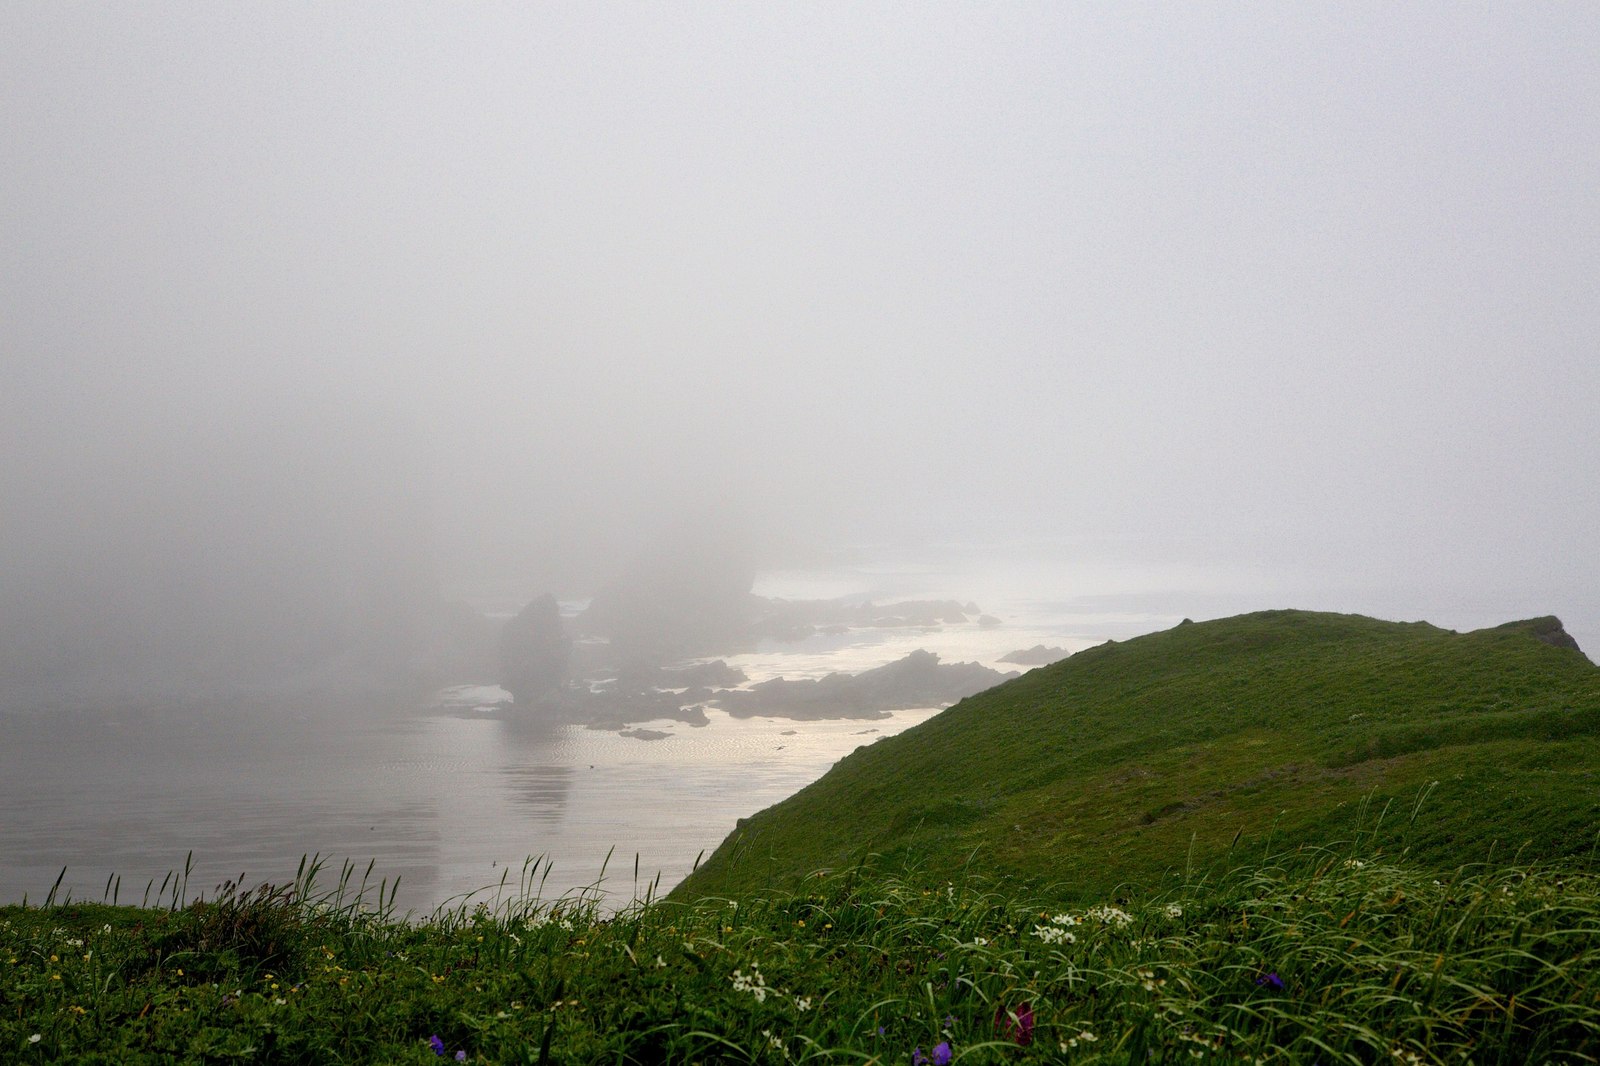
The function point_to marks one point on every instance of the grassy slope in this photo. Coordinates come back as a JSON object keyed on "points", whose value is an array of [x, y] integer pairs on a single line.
{"points": [[1098, 771]]}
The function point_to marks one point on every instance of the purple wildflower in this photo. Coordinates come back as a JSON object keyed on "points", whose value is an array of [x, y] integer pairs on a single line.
{"points": [[941, 1053], [1016, 1024], [917, 1057], [1272, 981], [461, 1056], [436, 1044]]}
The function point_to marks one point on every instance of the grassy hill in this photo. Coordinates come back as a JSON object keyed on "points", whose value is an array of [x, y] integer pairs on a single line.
{"points": [[1113, 770]]}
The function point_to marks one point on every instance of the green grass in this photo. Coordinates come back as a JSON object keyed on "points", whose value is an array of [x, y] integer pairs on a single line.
{"points": [[1099, 770], [1310, 955]]}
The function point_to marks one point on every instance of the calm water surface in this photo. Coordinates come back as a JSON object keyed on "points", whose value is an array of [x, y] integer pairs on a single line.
{"points": [[443, 801]]}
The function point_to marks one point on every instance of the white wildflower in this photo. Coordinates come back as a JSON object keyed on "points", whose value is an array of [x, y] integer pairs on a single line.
{"points": [[1355, 864], [1052, 934], [1174, 911], [754, 984], [1108, 915], [802, 1003], [1151, 982], [1084, 1037]]}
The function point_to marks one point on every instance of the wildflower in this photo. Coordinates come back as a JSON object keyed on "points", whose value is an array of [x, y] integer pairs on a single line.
{"points": [[1271, 980], [802, 1003], [1084, 1037], [1151, 982], [917, 1057], [754, 984], [461, 1056], [436, 1044], [941, 1053], [1108, 915], [1016, 1024], [1174, 911], [35, 1038], [1052, 934], [1354, 864]]}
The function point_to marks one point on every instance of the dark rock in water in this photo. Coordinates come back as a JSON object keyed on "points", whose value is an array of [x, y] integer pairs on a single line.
{"points": [[918, 680], [988, 621], [715, 674], [1038, 655], [534, 651], [645, 734]]}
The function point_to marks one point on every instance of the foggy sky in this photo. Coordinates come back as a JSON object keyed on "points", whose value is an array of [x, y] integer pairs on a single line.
{"points": [[1314, 285]]}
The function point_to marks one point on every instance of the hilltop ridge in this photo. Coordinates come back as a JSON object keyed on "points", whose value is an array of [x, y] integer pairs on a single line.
{"points": [[1296, 725]]}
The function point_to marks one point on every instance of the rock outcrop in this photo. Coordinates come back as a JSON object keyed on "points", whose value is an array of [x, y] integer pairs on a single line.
{"points": [[534, 652], [1038, 655], [918, 680]]}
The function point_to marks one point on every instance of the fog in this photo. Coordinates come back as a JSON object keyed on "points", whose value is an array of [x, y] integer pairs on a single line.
{"points": [[314, 318]]}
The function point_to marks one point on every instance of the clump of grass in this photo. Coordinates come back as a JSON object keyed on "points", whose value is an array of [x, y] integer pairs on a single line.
{"points": [[1311, 955]]}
